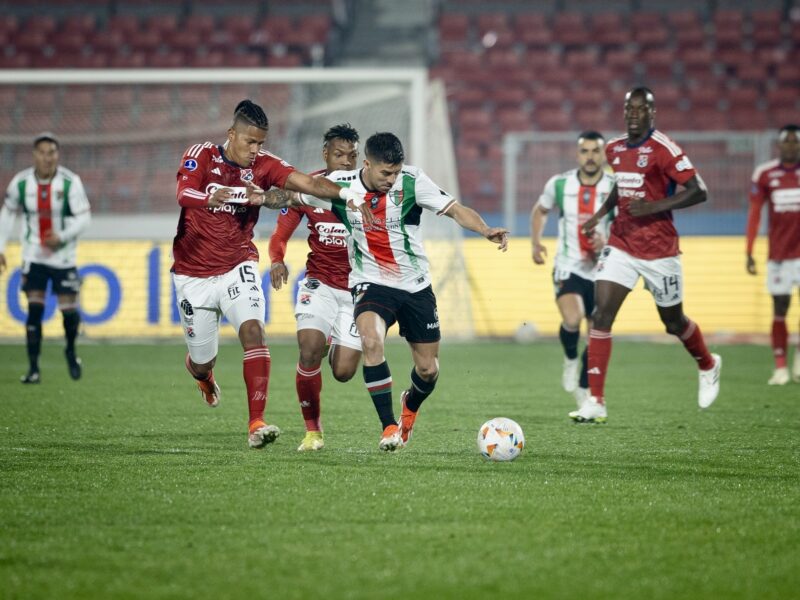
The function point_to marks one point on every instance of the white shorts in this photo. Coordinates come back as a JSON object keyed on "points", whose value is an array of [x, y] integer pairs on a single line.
{"points": [[328, 310], [662, 276], [237, 295], [782, 276]]}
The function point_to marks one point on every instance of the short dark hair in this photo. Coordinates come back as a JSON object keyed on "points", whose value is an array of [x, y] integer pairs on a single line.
{"points": [[385, 147], [345, 132], [46, 136], [790, 128], [644, 92], [251, 113], [591, 134]]}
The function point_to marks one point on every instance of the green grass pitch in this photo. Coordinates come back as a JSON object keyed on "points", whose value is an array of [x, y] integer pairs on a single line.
{"points": [[125, 485]]}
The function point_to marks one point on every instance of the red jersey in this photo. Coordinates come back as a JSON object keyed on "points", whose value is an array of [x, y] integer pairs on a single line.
{"points": [[649, 171], [327, 239], [779, 187], [212, 241]]}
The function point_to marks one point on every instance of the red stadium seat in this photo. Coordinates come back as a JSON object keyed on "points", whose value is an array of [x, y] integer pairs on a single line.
{"points": [[553, 120], [743, 99], [84, 24], [166, 60], [513, 119], [620, 61], [749, 119], [125, 24], [211, 59], [471, 97], [659, 63], [131, 60], [581, 59], [788, 74], [474, 119], [79, 98], [164, 24], [589, 98], [506, 96], [491, 22], [146, 40], [201, 23], [684, 19], [549, 97], [704, 98], [77, 123], [782, 98]]}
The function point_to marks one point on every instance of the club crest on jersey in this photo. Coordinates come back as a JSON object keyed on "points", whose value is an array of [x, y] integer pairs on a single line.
{"points": [[374, 202], [247, 174], [642, 161], [397, 197], [284, 211], [190, 164]]}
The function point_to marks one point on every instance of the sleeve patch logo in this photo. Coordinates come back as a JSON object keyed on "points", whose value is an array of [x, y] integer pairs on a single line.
{"points": [[190, 164], [683, 164]]}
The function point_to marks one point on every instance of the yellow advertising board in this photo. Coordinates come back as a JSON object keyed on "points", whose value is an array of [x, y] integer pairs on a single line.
{"points": [[127, 291]]}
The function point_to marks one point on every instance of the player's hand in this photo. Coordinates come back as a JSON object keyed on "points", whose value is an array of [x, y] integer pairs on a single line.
{"points": [[52, 241], [588, 227], [355, 201], [751, 265], [3, 263], [539, 252], [255, 195], [498, 235], [218, 198], [597, 241], [639, 208], [278, 275]]}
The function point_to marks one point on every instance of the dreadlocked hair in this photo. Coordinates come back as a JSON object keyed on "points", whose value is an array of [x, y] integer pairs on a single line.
{"points": [[251, 113]]}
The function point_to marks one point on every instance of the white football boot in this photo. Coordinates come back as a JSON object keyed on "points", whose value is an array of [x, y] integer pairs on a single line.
{"points": [[779, 377], [581, 395], [591, 412], [262, 434], [569, 374], [709, 383]]}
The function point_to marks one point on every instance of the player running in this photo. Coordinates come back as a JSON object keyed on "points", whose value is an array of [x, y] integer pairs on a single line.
{"points": [[56, 213], [390, 278], [578, 194], [220, 192], [644, 243], [324, 306], [777, 184]]}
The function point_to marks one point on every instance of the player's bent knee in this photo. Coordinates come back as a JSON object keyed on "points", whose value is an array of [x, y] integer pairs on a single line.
{"points": [[674, 327], [343, 375], [251, 334]]}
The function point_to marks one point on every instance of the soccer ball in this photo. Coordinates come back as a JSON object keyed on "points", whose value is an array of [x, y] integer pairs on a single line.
{"points": [[500, 439]]}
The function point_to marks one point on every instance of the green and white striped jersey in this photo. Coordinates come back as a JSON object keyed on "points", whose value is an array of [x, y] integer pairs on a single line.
{"points": [[58, 205], [576, 204], [389, 252]]}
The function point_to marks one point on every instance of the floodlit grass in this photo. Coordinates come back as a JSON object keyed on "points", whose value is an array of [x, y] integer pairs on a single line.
{"points": [[124, 485]]}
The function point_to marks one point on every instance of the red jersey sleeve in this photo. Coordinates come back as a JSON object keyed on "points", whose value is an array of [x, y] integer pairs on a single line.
{"points": [[272, 171], [677, 166], [758, 196], [288, 220], [190, 178]]}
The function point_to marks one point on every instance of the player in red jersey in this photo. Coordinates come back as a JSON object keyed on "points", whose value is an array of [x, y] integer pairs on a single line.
{"points": [[324, 306], [777, 184], [220, 192], [643, 242]]}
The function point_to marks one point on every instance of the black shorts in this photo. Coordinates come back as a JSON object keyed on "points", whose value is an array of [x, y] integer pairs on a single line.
{"points": [[415, 313], [35, 277], [576, 285]]}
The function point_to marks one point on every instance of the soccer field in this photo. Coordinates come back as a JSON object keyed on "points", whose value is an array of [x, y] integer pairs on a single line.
{"points": [[125, 485]]}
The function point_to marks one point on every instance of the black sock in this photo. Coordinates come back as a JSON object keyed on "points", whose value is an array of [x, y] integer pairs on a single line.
{"points": [[72, 321], [584, 380], [379, 386], [33, 332], [569, 339], [420, 389]]}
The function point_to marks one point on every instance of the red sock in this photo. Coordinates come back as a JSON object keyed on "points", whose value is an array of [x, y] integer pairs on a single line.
{"points": [[309, 385], [694, 343], [599, 355], [780, 341], [255, 368]]}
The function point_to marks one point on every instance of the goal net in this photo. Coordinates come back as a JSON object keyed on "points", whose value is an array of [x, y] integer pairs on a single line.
{"points": [[124, 132]]}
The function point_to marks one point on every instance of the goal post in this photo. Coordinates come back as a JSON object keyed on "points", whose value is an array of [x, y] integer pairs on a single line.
{"points": [[123, 132]]}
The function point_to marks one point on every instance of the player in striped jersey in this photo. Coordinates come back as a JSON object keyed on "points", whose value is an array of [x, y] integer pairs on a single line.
{"points": [[578, 194], [56, 212], [643, 242], [390, 279], [776, 183]]}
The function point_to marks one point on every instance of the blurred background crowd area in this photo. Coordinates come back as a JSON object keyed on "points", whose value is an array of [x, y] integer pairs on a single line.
{"points": [[508, 66]]}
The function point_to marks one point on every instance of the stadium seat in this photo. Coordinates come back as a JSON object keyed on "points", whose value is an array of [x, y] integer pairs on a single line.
{"points": [[203, 24], [743, 99], [659, 64], [76, 123], [549, 97], [552, 119], [748, 119], [782, 98], [512, 119]]}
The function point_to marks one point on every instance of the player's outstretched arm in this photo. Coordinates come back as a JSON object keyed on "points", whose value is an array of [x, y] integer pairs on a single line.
{"points": [[694, 192], [322, 187], [469, 219]]}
